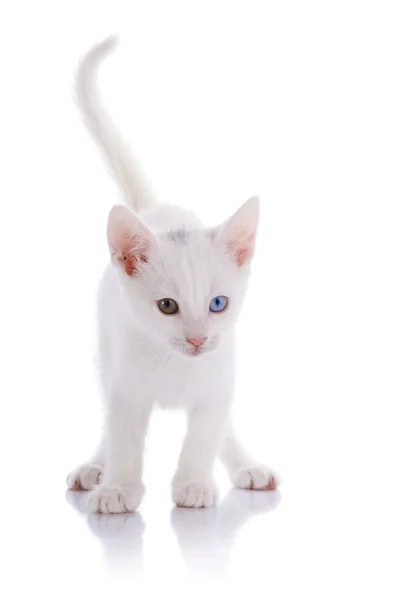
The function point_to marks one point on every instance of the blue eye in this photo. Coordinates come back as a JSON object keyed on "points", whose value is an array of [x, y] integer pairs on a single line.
{"points": [[218, 304]]}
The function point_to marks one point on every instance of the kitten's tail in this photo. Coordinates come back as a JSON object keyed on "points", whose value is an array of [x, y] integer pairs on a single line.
{"points": [[124, 167]]}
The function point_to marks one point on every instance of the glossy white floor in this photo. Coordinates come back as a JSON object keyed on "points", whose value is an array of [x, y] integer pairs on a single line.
{"points": [[297, 102]]}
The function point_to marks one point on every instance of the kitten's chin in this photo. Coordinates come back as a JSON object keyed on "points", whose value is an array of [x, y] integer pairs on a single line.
{"points": [[194, 355]]}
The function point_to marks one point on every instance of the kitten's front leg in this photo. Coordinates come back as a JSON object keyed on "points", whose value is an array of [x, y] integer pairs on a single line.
{"points": [[193, 484], [121, 489]]}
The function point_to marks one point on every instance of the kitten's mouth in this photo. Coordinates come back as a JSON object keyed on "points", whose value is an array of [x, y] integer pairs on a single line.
{"points": [[191, 351], [196, 351]]}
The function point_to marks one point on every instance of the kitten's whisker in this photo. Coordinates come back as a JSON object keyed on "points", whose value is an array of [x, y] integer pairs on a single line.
{"points": [[149, 358]]}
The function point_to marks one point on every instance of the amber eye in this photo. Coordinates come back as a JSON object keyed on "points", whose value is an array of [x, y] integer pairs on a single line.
{"points": [[168, 306]]}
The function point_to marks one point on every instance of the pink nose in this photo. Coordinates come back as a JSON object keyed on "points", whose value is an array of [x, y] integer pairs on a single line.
{"points": [[196, 342]]}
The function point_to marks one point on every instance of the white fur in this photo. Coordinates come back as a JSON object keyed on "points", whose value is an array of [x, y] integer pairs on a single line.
{"points": [[144, 356]]}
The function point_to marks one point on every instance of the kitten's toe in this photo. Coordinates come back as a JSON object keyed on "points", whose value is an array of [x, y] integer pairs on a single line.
{"points": [[85, 477], [115, 499], [258, 477], [195, 494]]}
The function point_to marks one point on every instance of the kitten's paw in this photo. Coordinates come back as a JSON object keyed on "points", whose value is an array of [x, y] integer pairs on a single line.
{"points": [[258, 477], [194, 494], [115, 499], [85, 477]]}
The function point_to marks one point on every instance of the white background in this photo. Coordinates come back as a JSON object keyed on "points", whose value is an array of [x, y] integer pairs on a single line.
{"points": [[298, 102]]}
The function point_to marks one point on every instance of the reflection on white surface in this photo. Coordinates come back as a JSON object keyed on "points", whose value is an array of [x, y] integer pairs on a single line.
{"points": [[205, 536], [121, 536]]}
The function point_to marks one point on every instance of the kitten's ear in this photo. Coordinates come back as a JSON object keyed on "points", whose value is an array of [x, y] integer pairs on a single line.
{"points": [[238, 234], [129, 240]]}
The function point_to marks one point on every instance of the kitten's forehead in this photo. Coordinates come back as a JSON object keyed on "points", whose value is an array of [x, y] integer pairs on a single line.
{"points": [[186, 242], [178, 236], [190, 264]]}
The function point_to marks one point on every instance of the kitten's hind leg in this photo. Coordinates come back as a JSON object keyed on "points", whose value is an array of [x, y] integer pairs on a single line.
{"points": [[244, 471], [89, 474]]}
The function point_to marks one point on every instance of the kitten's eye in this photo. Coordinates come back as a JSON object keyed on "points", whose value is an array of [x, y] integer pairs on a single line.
{"points": [[218, 304], [168, 306]]}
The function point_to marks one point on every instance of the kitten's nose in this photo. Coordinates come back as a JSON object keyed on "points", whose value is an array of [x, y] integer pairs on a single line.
{"points": [[196, 342]]}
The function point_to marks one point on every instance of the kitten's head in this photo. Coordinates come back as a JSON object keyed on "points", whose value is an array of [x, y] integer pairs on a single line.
{"points": [[184, 287]]}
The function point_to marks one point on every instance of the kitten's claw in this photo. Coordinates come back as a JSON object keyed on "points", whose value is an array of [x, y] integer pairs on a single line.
{"points": [[85, 477], [115, 499], [196, 494], [258, 477]]}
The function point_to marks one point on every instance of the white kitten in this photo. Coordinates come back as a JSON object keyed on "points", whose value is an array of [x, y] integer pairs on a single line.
{"points": [[167, 309]]}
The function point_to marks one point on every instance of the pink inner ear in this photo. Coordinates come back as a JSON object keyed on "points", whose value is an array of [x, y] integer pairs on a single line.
{"points": [[132, 250], [129, 240], [241, 247], [240, 256]]}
